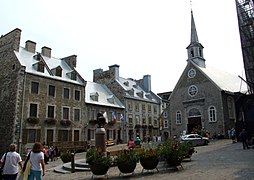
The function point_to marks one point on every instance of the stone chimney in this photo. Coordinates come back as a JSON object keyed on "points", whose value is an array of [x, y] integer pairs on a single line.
{"points": [[71, 60], [11, 40], [147, 82], [114, 71], [46, 51], [30, 46]]}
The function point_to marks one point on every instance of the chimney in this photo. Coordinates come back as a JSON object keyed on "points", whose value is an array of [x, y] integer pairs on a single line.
{"points": [[46, 51], [71, 60], [147, 82], [11, 40], [114, 69], [30, 46]]}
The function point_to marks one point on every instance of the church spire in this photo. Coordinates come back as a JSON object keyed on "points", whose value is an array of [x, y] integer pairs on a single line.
{"points": [[195, 49]]}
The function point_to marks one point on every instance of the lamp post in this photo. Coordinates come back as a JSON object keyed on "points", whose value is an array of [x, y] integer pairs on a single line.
{"points": [[100, 133]]}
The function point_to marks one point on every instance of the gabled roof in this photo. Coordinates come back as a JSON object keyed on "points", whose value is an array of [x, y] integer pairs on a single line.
{"points": [[131, 86], [224, 80], [28, 60], [105, 96]]}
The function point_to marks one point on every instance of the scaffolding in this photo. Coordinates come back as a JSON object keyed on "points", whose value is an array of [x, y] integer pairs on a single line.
{"points": [[245, 14]]}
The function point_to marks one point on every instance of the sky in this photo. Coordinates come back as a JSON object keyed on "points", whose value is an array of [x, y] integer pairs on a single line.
{"points": [[141, 36]]}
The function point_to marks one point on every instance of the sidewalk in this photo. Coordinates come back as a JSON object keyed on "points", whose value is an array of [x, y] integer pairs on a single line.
{"points": [[219, 160]]}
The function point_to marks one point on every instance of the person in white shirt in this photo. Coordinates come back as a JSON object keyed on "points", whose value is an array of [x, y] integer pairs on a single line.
{"points": [[12, 163], [37, 162]]}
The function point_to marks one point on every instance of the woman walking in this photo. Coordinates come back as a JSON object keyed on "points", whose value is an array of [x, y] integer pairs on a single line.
{"points": [[37, 162], [11, 163]]}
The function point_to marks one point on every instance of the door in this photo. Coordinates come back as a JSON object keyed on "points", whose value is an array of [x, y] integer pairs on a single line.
{"points": [[194, 125], [50, 136]]}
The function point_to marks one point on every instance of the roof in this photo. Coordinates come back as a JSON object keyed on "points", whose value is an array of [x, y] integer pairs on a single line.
{"points": [[224, 80], [104, 95], [133, 89], [27, 59]]}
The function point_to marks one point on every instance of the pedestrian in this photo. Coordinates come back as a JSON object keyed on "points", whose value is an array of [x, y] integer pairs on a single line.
{"points": [[37, 162], [244, 137], [233, 135], [11, 163], [229, 133]]}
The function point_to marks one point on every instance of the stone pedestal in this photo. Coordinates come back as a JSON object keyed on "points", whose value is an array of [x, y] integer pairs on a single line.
{"points": [[100, 139]]}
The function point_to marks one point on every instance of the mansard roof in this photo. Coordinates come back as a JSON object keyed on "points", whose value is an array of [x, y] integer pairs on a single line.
{"points": [[105, 96], [134, 90], [28, 59]]}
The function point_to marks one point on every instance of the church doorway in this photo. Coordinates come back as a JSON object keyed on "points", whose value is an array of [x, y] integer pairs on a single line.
{"points": [[194, 125]]}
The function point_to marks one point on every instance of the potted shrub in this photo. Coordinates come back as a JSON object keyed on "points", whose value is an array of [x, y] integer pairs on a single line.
{"points": [[99, 161], [126, 161], [149, 158], [50, 121], [33, 120], [173, 152], [66, 156]]}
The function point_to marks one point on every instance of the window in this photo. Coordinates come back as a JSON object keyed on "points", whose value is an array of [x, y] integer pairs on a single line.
{"points": [[149, 108], [165, 123], [137, 120], [130, 106], [73, 76], [110, 134], [191, 73], [144, 120], [77, 95], [150, 120], [130, 119], [212, 114], [155, 122], [143, 108], [178, 117], [31, 136], [193, 90], [40, 67], [34, 87], [51, 111], [33, 110], [155, 109], [76, 114], [92, 134], [51, 91], [136, 107], [59, 71], [63, 135], [66, 113], [66, 93]]}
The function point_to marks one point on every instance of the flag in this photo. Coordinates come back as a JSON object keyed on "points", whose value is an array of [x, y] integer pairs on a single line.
{"points": [[121, 117], [105, 116], [114, 117]]}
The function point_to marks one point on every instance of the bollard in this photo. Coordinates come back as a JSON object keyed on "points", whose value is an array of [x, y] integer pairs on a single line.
{"points": [[72, 163]]}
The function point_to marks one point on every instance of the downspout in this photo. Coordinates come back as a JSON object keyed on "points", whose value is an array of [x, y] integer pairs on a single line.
{"points": [[22, 111]]}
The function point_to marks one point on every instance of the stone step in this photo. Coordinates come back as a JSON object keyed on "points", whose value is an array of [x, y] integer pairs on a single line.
{"points": [[80, 165]]}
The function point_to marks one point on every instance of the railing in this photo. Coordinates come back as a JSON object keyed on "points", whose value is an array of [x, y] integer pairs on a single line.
{"points": [[70, 145]]}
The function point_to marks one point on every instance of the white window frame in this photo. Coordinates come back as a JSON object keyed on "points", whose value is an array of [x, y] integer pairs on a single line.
{"points": [[212, 114], [178, 117]]}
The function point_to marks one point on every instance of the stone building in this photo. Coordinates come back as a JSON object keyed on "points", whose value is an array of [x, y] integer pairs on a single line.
{"points": [[100, 99], [142, 106], [41, 97], [204, 97]]}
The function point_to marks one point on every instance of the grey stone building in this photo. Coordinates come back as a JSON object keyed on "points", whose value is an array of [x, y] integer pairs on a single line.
{"points": [[99, 98], [204, 97], [41, 97], [142, 106]]}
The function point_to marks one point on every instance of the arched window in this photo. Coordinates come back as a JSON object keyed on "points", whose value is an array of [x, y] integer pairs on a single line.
{"points": [[178, 117], [212, 114]]}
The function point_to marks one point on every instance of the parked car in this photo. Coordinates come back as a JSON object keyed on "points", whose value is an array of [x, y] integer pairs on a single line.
{"points": [[195, 139]]}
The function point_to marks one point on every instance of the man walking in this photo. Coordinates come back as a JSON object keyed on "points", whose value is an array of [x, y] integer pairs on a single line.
{"points": [[244, 138]]}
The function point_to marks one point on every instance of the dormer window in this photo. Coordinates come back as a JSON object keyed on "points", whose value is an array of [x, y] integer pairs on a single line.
{"points": [[58, 71], [111, 99], [140, 94], [37, 57], [39, 66], [135, 86], [126, 83], [72, 75], [149, 96], [131, 92], [94, 96]]}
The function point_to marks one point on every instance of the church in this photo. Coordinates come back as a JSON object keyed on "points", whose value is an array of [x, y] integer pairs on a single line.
{"points": [[204, 97]]}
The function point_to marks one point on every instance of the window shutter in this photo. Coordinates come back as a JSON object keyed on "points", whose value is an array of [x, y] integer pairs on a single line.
{"points": [[88, 135], [24, 136]]}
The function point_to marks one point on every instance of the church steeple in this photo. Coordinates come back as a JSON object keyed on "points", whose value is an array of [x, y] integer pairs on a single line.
{"points": [[195, 49]]}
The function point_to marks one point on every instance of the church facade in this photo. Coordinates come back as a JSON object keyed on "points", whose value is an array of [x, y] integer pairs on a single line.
{"points": [[203, 99]]}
